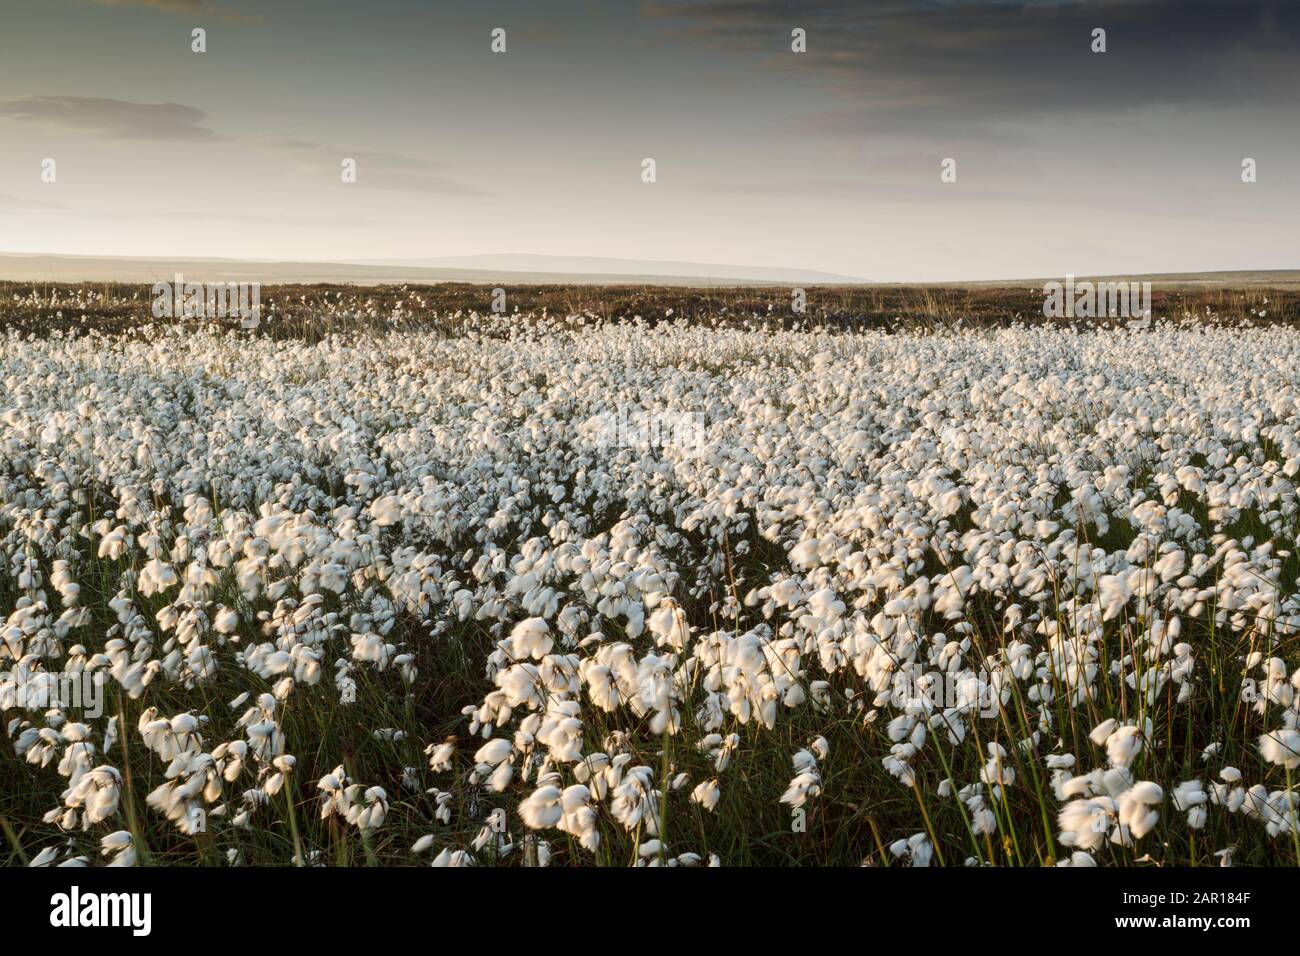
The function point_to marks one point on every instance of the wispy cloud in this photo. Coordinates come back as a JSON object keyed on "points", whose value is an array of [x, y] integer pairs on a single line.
{"points": [[204, 215], [206, 8], [377, 169], [123, 119], [18, 204], [118, 119], [876, 191]]}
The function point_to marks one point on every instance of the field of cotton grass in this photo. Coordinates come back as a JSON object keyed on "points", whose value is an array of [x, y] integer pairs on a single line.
{"points": [[581, 591]]}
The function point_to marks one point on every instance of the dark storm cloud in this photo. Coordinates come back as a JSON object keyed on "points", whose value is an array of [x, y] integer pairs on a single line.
{"points": [[119, 119], [915, 66]]}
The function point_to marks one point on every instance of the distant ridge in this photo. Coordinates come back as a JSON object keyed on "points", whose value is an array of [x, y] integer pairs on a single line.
{"points": [[19, 267], [533, 270], [599, 266]]}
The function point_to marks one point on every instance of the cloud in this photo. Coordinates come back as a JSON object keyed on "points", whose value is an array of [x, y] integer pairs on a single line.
{"points": [[929, 66], [118, 119], [198, 217], [876, 191], [377, 169], [18, 204], [207, 8], [122, 119], [308, 150]]}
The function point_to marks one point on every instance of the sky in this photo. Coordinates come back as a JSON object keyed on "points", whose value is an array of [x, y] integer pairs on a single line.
{"points": [[1066, 160]]}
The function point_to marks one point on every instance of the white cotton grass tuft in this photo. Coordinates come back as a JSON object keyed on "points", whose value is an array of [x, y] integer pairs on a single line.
{"points": [[1281, 747]]}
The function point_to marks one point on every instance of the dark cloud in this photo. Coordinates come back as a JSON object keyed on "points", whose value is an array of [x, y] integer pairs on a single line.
{"points": [[928, 66], [118, 119]]}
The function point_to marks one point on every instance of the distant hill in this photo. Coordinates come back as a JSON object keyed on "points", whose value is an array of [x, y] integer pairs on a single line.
{"points": [[530, 270], [599, 267]]}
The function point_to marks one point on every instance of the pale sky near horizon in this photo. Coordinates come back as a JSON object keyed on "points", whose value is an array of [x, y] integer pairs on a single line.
{"points": [[1067, 160]]}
